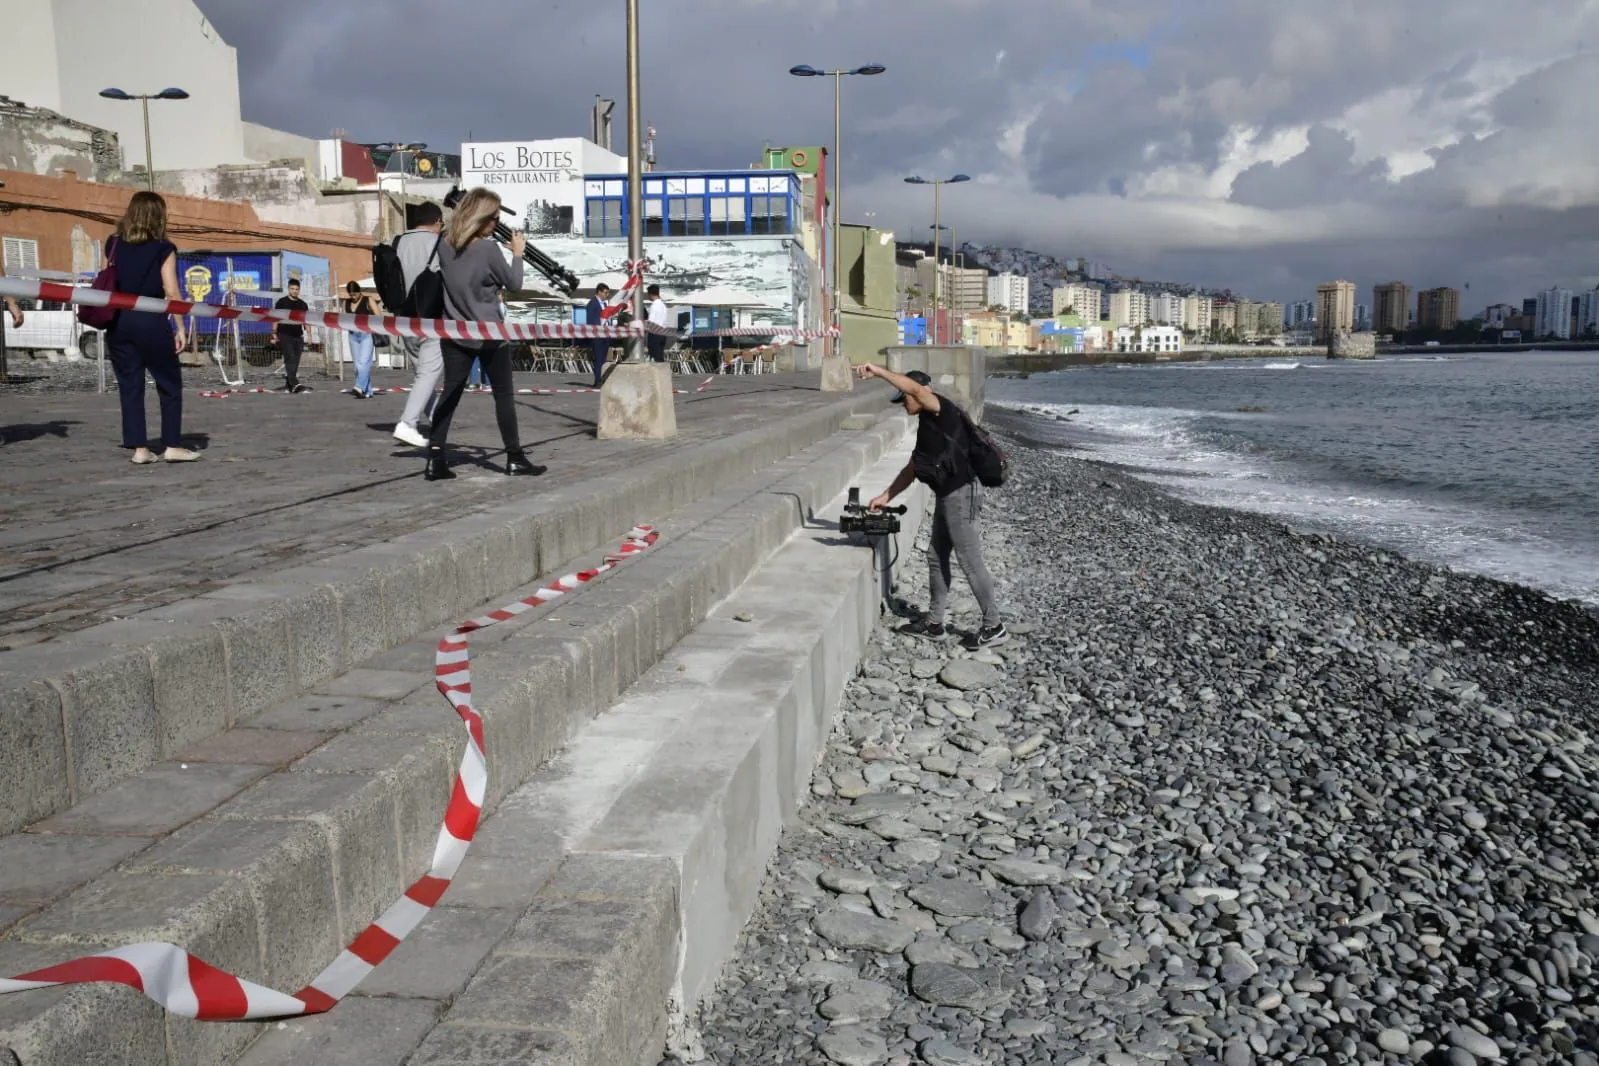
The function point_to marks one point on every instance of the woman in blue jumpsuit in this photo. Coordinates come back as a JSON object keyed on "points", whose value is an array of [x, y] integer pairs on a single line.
{"points": [[139, 342]]}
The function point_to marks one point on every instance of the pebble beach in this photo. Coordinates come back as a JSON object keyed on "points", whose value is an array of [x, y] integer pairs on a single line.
{"points": [[1232, 794]]}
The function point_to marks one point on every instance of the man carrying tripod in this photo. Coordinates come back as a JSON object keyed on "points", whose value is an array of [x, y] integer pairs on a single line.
{"points": [[941, 462]]}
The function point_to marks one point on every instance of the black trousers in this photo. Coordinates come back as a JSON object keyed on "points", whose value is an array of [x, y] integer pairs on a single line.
{"points": [[134, 348], [496, 360], [657, 345], [292, 347], [598, 354]]}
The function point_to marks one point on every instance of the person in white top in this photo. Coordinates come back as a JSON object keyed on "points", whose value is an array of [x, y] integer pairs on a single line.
{"points": [[419, 257], [657, 317]]}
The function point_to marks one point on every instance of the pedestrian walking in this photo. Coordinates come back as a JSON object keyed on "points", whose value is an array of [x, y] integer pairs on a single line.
{"points": [[418, 250], [475, 272], [657, 318], [141, 342], [362, 354], [600, 347], [290, 337]]}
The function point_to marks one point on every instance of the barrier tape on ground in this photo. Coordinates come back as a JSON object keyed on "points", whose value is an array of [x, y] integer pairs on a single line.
{"points": [[190, 987], [223, 394]]}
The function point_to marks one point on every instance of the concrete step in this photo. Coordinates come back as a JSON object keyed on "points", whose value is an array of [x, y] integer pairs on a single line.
{"points": [[641, 849], [83, 712], [266, 847]]}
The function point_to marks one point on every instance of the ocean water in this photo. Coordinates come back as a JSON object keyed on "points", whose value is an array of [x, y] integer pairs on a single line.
{"points": [[1484, 463]]}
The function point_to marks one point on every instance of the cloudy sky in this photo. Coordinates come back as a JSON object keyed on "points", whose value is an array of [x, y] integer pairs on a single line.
{"points": [[1262, 145]]}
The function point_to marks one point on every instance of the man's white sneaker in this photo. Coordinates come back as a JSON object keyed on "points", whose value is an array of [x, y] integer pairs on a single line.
{"points": [[407, 434]]}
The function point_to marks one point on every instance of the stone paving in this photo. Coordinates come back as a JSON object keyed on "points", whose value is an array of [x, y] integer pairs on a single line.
{"points": [[86, 537]]}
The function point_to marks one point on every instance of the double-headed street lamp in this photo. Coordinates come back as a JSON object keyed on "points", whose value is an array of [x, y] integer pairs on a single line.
{"points": [[144, 99], [805, 70], [937, 184]]}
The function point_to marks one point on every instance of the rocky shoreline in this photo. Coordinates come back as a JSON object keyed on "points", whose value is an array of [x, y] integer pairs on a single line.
{"points": [[1233, 795]]}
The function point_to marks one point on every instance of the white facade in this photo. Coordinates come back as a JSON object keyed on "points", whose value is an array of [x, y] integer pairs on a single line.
{"points": [[1084, 299], [1161, 339], [1166, 309], [542, 181], [1009, 291], [1129, 308], [1197, 312], [1498, 315], [1554, 314], [59, 54]]}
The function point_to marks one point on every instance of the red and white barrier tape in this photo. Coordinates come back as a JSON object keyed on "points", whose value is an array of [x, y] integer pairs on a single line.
{"points": [[388, 325], [788, 332], [223, 394], [190, 987], [620, 298]]}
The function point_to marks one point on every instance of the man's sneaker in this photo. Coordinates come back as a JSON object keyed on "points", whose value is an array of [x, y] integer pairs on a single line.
{"points": [[923, 627], [988, 636], [302, 388], [408, 435]]}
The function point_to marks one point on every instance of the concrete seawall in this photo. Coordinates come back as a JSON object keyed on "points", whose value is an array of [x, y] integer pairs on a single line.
{"points": [[647, 742]]}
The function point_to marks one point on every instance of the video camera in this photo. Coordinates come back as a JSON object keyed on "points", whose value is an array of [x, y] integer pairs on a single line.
{"points": [[857, 518]]}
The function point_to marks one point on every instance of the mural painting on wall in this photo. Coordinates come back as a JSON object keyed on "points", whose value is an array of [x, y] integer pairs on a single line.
{"points": [[769, 281]]}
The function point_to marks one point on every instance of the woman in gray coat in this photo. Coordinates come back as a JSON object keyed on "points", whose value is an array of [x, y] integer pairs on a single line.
{"points": [[475, 272]]}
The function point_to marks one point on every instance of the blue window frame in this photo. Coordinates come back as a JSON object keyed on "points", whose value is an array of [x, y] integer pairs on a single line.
{"points": [[696, 205]]}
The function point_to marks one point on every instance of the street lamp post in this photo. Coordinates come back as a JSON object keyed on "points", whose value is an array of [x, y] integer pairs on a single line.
{"points": [[805, 70], [937, 184], [635, 180], [144, 100]]}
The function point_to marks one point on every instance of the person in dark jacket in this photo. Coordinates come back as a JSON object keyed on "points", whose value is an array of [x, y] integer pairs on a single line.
{"points": [[475, 272], [600, 347], [139, 342], [939, 461]]}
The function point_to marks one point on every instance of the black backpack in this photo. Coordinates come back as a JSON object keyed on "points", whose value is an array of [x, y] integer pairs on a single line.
{"points": [[425, 299], [983, 452]]}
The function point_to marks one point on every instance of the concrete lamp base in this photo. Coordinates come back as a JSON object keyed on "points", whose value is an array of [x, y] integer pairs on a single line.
{"points": [[636, 403], [837, 374]]}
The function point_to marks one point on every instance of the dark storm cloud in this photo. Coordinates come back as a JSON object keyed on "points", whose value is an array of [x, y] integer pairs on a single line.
{"points": [[1257, 144]]}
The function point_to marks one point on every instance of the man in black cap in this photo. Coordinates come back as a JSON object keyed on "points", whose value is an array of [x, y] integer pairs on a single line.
{"points": [[940, 462]]}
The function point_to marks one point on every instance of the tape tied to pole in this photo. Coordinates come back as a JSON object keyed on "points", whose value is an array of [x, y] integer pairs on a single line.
{"points": [[188, 986]]}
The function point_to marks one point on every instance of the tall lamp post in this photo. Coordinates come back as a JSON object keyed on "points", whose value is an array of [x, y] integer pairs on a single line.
{"points": [[144, 99], [635, 180], [937, 184], [805, 70]]}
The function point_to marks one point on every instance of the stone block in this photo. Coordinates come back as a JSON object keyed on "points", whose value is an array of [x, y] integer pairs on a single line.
{"points": [[39, 868], [189, 676], [102, 1025], [261, 660], [357, 812], [837, 374], [111, 723], [438, 960], [362, 1032], [156, 801], [288, 869], [377, 684], [470, 1045], [637, 403], [362, 620], [35, 781], [262, 747], [318, 714]]}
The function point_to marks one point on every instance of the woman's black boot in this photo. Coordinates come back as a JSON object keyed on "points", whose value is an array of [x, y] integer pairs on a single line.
{"points": [[437, 468], [518, 464]]}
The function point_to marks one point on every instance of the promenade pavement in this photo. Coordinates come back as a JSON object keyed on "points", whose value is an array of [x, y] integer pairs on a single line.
{"points": [[86, 537]]}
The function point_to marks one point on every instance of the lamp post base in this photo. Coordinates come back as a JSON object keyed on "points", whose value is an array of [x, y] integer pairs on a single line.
{"points": [[837, 374], [636, 403]]}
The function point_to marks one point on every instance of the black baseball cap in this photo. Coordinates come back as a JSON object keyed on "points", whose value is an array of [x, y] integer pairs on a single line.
{"points": [[918, 376]]}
